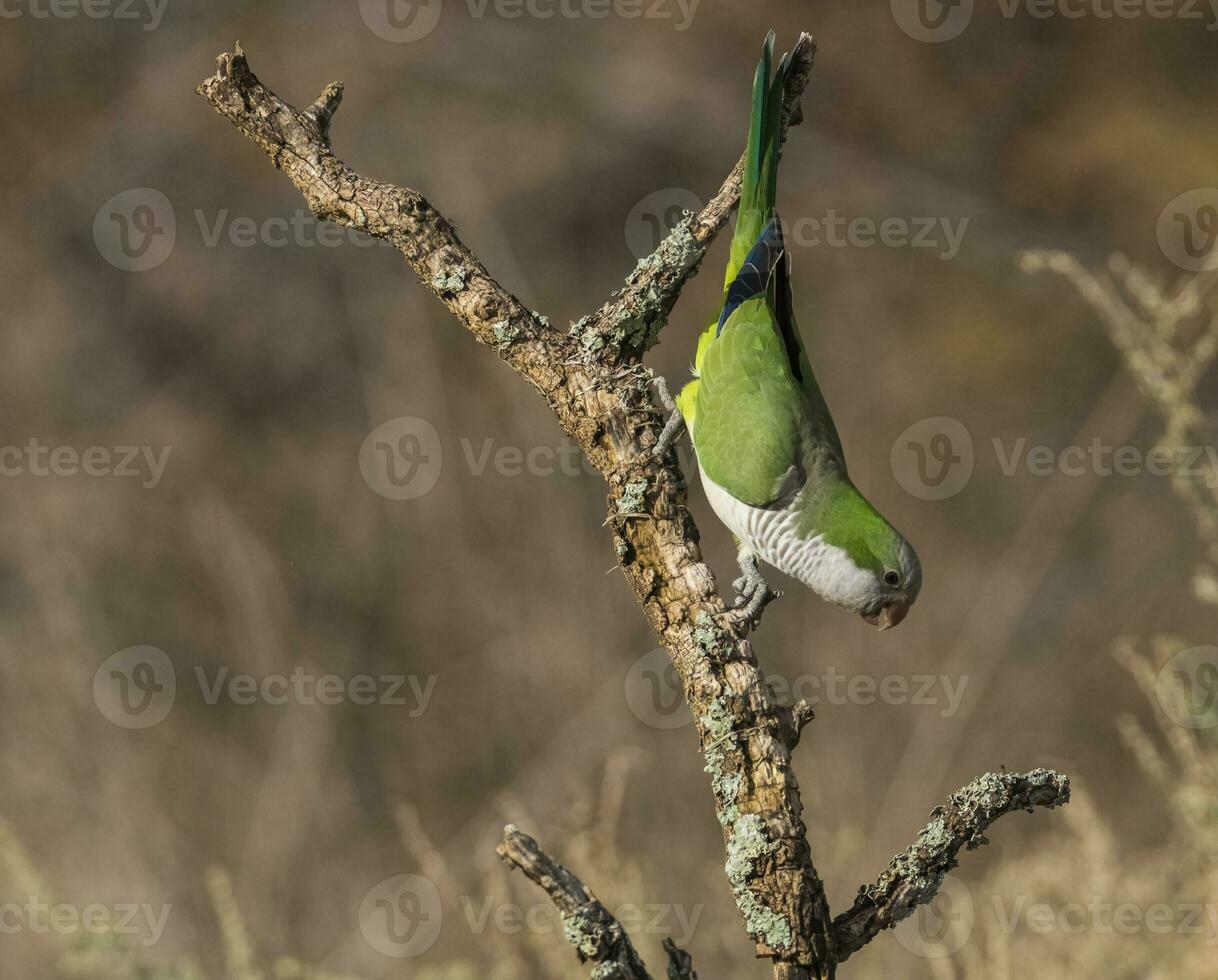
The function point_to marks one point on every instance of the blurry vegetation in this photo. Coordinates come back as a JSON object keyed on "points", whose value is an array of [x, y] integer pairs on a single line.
{"points": [[1167, 335], [263, 549]]}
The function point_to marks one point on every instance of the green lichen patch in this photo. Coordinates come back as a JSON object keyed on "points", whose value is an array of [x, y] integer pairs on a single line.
{"points": [[724, 783], [641, 311], [705, 634], [671, 259], [772, 928], [747, 845], [747, 841], [583, 932], [451, 280], [588, 338], [717, 720], [642, 315], [708, 636], [632, 499], [634, 322], [504, 332], [626, 328]]}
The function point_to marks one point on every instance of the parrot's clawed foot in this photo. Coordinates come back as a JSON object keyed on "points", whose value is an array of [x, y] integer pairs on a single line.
{"points": [[752, 593], [675, 424]]}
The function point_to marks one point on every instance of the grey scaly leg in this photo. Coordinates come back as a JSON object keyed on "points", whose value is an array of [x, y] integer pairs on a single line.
{"points": [[752, 593], [676, 422]]}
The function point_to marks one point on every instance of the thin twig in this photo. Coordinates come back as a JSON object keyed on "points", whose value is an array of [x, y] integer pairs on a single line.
{"points": [[597, 936]]}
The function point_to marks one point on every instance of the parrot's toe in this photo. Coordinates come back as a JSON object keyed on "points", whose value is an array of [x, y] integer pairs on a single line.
{"points": [[752, 594], [674, 425]]}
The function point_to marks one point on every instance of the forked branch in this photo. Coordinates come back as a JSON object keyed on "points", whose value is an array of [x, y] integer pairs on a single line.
{"points": [[593, 379], [597, 936]]}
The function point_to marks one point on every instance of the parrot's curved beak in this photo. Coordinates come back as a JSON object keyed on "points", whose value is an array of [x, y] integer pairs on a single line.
{"points": [[888, 617]]}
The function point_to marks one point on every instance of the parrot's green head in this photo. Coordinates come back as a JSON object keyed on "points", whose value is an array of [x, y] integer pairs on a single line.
{"points": [[892, 583], [869, 568]]}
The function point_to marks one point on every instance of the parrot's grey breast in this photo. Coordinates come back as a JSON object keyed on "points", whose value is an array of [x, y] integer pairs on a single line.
{"points": [[773, 535]]}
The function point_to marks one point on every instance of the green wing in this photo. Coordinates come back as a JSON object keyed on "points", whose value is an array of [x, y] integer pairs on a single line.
{"points": [[823, 433], [757, 410], [749, 408]]}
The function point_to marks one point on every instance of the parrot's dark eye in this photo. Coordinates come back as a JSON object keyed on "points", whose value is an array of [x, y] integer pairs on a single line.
{"points": [[892, 578]]}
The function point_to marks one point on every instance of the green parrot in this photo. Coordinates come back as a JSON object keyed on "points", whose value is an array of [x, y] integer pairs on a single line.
{"points": [[769, 454]]}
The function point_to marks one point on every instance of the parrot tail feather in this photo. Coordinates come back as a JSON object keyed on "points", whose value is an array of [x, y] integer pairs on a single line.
{"points": [[759, 189]]}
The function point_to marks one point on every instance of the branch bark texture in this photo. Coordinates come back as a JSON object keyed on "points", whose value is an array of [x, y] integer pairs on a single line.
{"points": [[913, 877], [593, 379], [597, 936]]}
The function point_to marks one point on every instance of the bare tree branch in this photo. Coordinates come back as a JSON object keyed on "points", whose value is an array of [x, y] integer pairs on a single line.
{"points": [[596, 935], [913, 877], [593, 380], [680, 966], [298, 143]]}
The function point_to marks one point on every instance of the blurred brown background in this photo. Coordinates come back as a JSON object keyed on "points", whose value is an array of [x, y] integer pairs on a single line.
{"points": [[261, 363]]}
